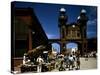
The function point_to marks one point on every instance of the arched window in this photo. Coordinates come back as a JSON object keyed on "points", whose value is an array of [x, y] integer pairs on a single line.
{"points": [[56, 47], [72, 46]]}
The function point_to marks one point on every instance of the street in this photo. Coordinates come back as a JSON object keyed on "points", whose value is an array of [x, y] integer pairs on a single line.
{"points": [[90, 64]]}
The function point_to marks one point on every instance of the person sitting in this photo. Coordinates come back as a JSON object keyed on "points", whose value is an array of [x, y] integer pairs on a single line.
{"points": [[24, 59]]}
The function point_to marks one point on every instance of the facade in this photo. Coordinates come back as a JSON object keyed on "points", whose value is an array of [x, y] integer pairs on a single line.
{"points": [[72, 32], [75, 32]]}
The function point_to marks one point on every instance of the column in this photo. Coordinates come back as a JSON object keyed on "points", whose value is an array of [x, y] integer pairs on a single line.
{"points": [[84, 46], [30, 39]]}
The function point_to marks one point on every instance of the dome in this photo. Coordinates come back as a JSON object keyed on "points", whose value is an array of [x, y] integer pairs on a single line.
{"points": [[62, 9], [83, 11]]}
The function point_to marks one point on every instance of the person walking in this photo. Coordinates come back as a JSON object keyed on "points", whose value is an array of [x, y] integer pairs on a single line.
{"points": [[66, 60], [77, 62]]}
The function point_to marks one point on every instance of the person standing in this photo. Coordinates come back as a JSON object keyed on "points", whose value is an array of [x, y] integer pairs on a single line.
{"points": [[40, 61], [66, 60], [62, 67], [77, 62], [71, 60], [74, 60]]}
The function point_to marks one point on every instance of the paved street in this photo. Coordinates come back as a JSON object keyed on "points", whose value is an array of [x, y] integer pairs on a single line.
{"points": [[85, 65], [90, 64]]}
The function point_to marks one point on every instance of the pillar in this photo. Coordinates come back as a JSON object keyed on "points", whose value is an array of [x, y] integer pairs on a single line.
{"points": [[30, 39], [84, 47]]}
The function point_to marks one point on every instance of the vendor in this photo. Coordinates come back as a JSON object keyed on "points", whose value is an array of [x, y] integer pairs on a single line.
{"points": [[26, 60]]}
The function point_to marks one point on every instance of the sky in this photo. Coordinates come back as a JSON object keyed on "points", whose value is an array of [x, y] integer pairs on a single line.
{"points": [[47, 15]]}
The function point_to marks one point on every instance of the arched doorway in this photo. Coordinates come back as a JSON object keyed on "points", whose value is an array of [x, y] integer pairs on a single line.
{"points": [[72, 47], [56, 47]]}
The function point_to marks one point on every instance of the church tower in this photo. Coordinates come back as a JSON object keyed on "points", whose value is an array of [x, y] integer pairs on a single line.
{"points": [[82, 22], [62, 26]]}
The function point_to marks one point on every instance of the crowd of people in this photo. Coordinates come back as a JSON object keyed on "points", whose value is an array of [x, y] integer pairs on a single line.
{"points": [[59, 61], [69, 61]]}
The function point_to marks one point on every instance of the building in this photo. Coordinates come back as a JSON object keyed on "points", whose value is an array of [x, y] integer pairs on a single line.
{"points": [[26, 34], [74, 32]]}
